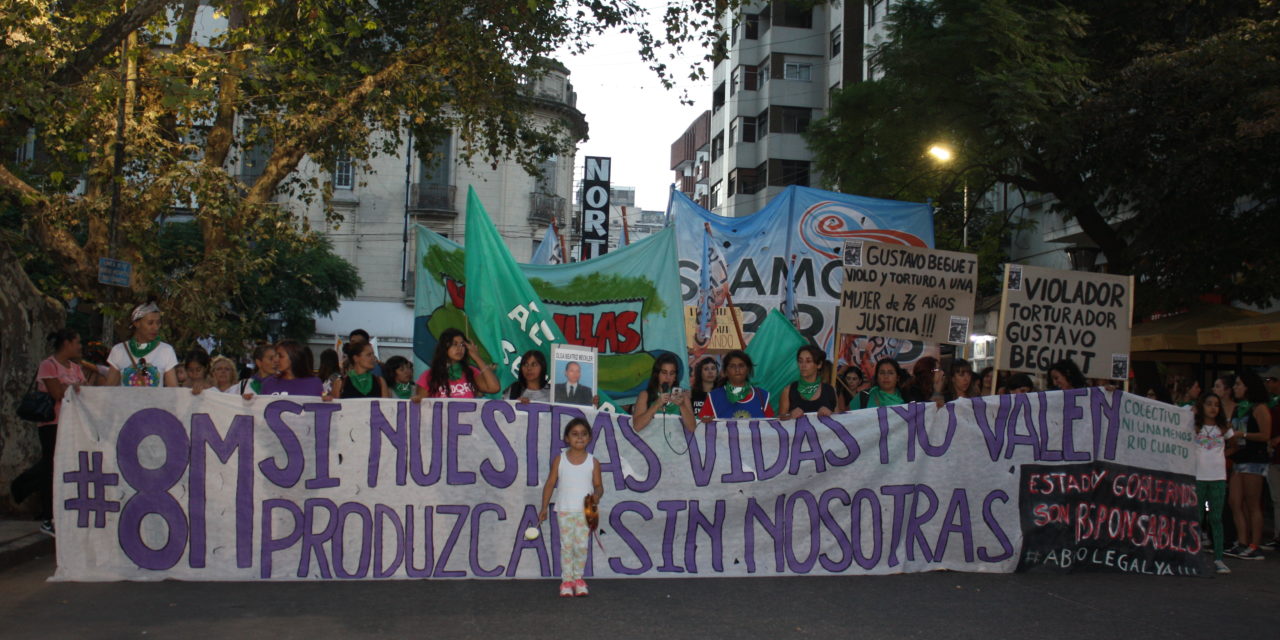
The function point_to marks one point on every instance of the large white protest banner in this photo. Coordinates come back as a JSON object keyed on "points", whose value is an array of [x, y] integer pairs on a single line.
{"points": [[158, 484], [1047, 315], [913, 293]]}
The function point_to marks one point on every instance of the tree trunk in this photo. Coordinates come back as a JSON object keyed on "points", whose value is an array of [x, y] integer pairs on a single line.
{"points": [[26, 317]]}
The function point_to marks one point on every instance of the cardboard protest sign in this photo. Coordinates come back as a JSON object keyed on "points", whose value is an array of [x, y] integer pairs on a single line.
{"points": [[156, 484], [912, 293], [724, 338], [1047, 315]]}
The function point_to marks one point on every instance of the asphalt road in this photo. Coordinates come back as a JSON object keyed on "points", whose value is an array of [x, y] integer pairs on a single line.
{"points": [[1245, 604]]}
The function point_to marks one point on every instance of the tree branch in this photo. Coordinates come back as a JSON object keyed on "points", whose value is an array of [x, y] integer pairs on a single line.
{"points": [[107, 41], [285, 157], [61, 242]]}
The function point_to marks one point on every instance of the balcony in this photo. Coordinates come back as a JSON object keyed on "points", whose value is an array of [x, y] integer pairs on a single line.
{"points": [[702, 172], [544, 208], [433, 200]]}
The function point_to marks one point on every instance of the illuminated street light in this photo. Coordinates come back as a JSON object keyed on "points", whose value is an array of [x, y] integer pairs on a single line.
{"points": [[945, 155]]}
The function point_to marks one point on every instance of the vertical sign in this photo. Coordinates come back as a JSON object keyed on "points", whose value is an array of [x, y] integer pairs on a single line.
{"points": [[595, 208]]}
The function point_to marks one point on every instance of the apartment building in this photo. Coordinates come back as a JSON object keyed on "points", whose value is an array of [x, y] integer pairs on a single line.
{"points": [[382, 201], [781, 63]]}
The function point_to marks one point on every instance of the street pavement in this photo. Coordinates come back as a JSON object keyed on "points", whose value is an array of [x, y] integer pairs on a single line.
{"points": [[1245, 604]]}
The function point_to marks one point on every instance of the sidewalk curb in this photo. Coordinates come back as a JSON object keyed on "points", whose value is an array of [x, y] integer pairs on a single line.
{"points": [[28, 547]]}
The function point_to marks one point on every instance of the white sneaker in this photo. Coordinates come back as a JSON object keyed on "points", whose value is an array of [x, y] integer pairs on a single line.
{"points": [[1221, 567]]}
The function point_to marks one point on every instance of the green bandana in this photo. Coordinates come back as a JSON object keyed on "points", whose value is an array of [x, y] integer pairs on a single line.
{"points": [[808, 390], [363, 382], [737, 394], [455, 371], [141, 351], [881, 398], [1243, 409], [404, 390]]}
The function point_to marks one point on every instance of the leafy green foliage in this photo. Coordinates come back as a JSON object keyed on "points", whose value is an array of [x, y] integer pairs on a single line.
{"points": [[1150, 122], [292, 80]]}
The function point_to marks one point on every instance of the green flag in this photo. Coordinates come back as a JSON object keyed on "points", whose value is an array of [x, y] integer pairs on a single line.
{"points": [[506, 315], [773, 352]]}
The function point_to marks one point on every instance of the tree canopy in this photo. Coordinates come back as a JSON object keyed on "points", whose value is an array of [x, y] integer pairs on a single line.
{"points": [[134, 111], [1151, 123]]}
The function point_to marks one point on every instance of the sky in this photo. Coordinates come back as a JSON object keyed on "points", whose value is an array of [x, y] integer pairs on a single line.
{"points": [[631, 117]]}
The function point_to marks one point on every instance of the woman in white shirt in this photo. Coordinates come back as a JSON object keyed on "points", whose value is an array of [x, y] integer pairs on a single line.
{"points": [[143, 360]]}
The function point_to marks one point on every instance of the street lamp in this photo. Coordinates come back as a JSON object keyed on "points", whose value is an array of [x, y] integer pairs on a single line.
{"points": [[944, 155], [941, 153]]}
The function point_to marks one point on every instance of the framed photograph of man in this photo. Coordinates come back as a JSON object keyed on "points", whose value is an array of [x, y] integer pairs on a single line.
{"points": [[573, 374]]}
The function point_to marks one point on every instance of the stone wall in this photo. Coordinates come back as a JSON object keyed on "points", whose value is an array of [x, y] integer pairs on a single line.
{"points": [[27, 317]]}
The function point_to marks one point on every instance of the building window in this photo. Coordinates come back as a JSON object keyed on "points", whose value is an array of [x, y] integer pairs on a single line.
{"points": [[748, 129], [802, 71], [748, 180], [836, 37], [715, 195], [733, 131], [751, 26], [344, 173], [733, 182], [717, 146], [750, 78], [548, 169], [435, 169], [873, 66], [253, 160], [793, 119], [717, 98], [831, 93], [762, 124], [735, 79], [794, 172], [790, 14]]}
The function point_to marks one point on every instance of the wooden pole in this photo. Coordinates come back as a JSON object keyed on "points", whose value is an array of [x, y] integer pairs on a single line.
{"points": [[1129, 373], [564, 251], [1004, 304]]}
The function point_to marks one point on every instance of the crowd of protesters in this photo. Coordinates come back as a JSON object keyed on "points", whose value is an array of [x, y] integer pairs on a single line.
{"points": [[1238, 451]]}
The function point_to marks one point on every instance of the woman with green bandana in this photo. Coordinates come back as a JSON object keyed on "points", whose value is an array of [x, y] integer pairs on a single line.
{"points": [[143, 360], [457, 370], [397, 372], [809, 394], [1252, 424], [359, 382], [737, 398], [887, 390], [664, 396]]}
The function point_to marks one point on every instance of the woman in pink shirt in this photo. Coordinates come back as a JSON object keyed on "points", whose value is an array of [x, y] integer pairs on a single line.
{"points": [[451, 375], [59, 372]]}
